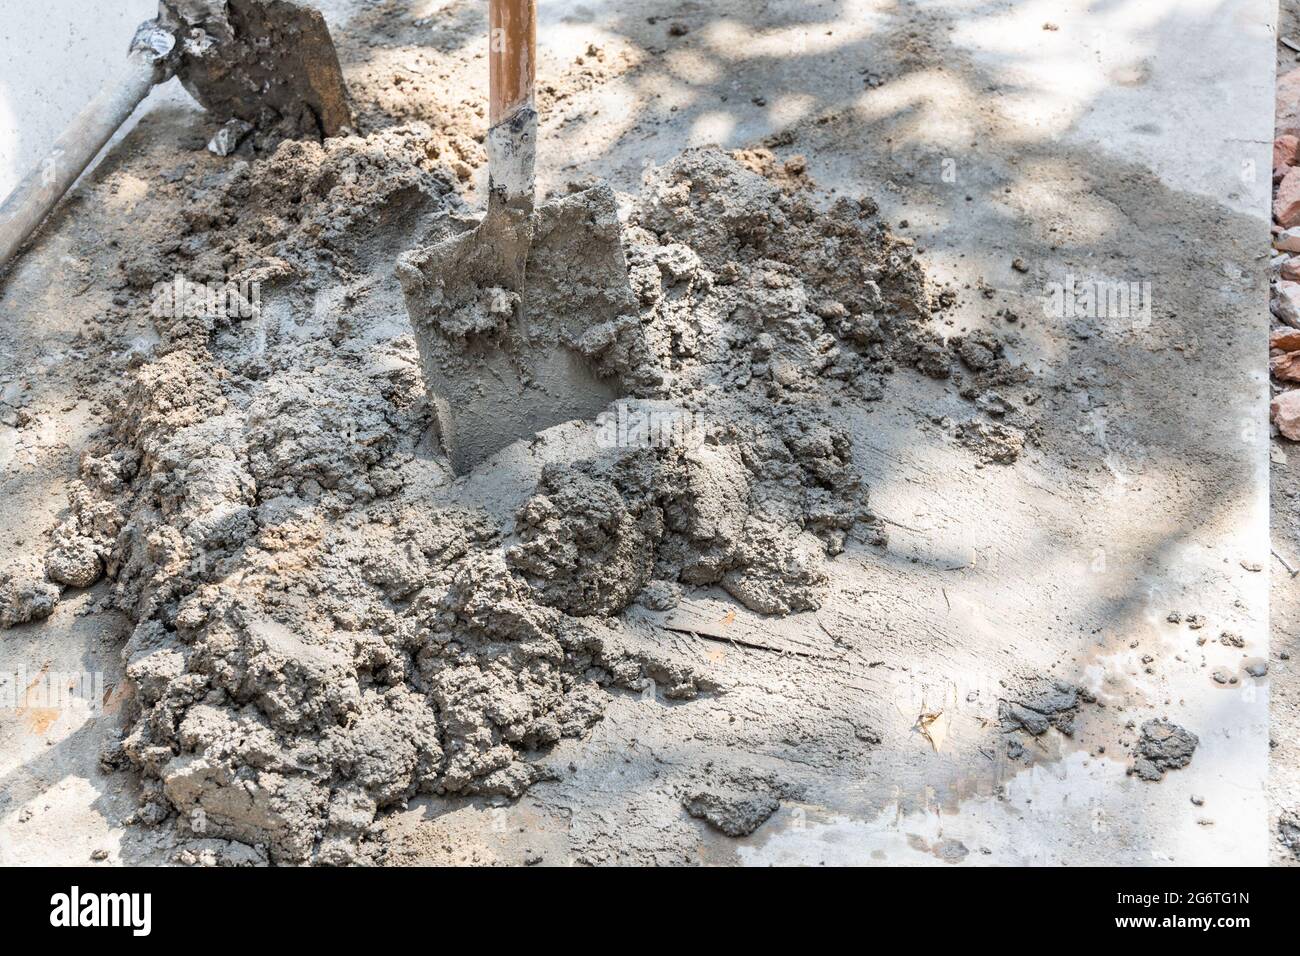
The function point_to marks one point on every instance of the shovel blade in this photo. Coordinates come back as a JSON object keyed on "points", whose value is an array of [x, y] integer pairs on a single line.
{"points": [[498, 314], [267, 62]]}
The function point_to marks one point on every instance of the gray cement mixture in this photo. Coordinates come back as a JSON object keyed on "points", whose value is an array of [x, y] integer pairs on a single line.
{"points": [[323, 629]]}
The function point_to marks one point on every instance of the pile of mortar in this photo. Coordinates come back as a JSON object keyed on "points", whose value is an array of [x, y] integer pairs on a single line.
{"points": [[328, 623]]}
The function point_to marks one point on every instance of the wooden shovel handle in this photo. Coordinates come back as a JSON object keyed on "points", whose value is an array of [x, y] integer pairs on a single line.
{"points": [[512, 118], [512, 57]]}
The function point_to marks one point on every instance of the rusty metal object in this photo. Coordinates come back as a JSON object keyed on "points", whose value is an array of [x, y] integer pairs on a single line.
{"points": [[269, 63]]}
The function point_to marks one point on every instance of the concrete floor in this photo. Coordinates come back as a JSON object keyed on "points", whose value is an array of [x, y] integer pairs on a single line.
{"points": [[1104, 148]]}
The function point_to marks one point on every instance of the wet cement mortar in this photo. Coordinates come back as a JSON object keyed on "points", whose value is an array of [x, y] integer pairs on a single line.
{"points": [[350, 501], [322, 631]]}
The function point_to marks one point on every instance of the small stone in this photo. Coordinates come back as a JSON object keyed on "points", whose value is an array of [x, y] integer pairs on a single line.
{"points": [[1198, 801], [1286, 303], [1284, 411], [1019, 265], [1288, 340], [1286, 202], [99, 855], [1257, 669], [1285, 367], [1287, 99], [227, 139], [1284, 154], [1288, 240]]}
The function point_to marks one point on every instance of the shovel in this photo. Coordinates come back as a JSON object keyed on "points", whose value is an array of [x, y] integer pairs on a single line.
{"points": [[499, 312], [264, 62]]}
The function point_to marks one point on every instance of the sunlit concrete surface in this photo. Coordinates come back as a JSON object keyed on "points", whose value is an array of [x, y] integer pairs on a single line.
{"points": [[1123, 140]]}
